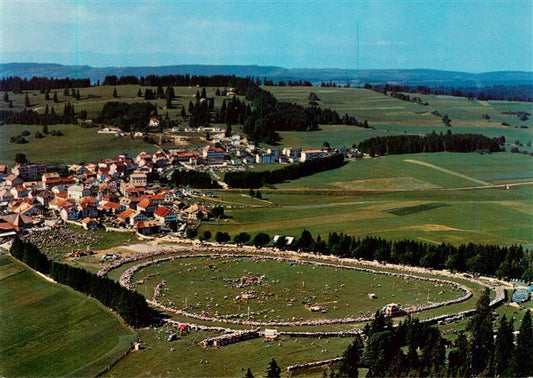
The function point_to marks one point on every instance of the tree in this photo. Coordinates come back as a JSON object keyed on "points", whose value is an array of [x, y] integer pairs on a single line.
{"points": [[522, 363], [503, 346], [251, 193], [139, 93], [218, 211], [17, 249], [379, 352], [249, 374], [191, 233], [458, 364], [173, 225], [352, 358], [56, 99], [261, 239], [258, 195], [241, 238], [6, 97], [281, 242], [273, 371], [305, 241], [115, 94], [482, 344], [207, 235], [222, 237], [20, 158], [27, 101]]}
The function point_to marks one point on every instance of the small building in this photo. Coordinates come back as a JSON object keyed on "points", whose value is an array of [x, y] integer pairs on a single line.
{"points": [[392, 309], [148, 227], [90, 224], [138, 179], [311, 154], [165, 215]]}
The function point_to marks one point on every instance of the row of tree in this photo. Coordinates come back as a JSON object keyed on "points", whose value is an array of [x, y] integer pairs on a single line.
{"points": [[250, 179], [43, 84], [501, 261], [192, 178], [419, 350], [411, 144], [130, 305], [495, 92], [48, 117]]}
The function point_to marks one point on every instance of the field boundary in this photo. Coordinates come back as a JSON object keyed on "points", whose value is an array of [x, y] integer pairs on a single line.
{"points": [[457, 174], [108, 360], [126, 277]]}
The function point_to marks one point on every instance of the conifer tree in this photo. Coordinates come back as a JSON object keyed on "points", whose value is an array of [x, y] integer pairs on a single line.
{"points": [[522, 361], [26, 101], [503, 346], [273, 371], [352, 358], [482, 344], [115, 93]]}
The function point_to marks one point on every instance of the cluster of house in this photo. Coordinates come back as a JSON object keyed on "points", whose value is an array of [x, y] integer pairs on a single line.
{"points": [[113, 193]]}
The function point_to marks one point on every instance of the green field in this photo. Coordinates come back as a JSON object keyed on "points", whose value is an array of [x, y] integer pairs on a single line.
{"points": [[189, 359], [185, 277], [286, 291], [388, 115], [456, 216], [51, 330], [77, 145]]}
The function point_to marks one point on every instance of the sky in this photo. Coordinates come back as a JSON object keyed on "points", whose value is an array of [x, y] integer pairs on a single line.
{"points": [[470, 36]]}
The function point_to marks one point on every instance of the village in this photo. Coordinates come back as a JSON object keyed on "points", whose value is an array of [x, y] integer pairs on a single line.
{"points": [[124, 194]]}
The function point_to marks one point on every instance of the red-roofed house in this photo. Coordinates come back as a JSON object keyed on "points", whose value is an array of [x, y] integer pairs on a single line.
{"points": [[146, 206], [165, 215]]}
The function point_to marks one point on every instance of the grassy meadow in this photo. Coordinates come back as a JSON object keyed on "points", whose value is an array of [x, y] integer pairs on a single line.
{"points": [[286, 290], [455, 216], [51, 330]]}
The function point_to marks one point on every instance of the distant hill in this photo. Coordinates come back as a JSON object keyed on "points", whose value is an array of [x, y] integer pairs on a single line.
{"points": [[354, 77]]}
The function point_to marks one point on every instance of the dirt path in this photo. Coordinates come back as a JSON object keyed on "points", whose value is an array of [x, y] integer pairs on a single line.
{"points": [[457, 174]]}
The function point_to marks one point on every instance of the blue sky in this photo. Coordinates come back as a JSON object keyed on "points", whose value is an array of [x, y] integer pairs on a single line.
{"points": [[472, 36]]}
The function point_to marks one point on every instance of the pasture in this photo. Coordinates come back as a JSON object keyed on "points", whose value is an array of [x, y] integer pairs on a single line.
{"points": [[51, 330], [77, 145], [457, 216], [280, 291], [188, 359], [201, 279]]}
